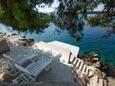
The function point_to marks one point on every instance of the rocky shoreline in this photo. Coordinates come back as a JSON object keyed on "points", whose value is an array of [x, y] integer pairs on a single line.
{"points": [[103, 70], [94, 60]]}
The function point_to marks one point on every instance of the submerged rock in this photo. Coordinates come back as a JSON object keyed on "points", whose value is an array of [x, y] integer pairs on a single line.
{"points": [[27, 42], [97, 65]]}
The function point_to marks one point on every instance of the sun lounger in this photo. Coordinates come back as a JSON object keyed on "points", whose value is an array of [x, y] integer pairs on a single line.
{"points": [[34, 69], [45, 57], [37, 67], [20, 54]]}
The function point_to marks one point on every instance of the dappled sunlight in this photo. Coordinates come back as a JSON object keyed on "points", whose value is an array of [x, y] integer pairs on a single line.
{"points": [[100, 7], [46, 8]]}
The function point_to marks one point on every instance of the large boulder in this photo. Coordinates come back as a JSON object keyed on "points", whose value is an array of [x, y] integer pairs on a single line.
{"points": [[4, 46], [94, 58]]}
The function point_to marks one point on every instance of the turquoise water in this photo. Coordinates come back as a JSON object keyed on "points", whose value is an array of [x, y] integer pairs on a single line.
{"points": [[93, 40]]}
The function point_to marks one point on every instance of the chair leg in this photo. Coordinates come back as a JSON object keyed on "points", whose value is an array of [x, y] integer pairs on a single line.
{"points": [[47, 68], [69, 58]]}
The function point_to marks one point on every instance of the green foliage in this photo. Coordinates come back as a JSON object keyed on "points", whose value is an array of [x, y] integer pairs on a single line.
{"points": [[20, 14], [93, 21]]}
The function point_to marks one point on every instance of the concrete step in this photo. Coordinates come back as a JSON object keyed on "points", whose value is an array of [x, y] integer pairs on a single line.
{"points": [[81, 66], [71, 57], [73, 61], [76, 62], [78, 65], [79, 61], [84, 69]]}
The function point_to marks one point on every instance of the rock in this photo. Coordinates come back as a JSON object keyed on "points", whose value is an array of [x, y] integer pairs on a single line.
{"points": [[104, 75], [110, 71], [1, 36], [22, 39], [4, 47], [26, 42], [30, 42], [14, 34], [88, 62], [81, 56], [23, 36], [97, 64], [98, 73], [94, 58]]}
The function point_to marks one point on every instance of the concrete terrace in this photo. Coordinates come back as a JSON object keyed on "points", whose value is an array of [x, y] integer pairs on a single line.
{"points": [[60, 69]]}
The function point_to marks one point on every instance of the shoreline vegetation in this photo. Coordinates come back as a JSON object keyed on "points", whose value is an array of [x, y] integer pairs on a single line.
{"points": [[104, 71]]}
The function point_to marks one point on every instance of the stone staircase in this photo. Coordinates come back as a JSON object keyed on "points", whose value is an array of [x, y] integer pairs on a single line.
{"points": [[82, 69], [81, 66], [96, 81]]}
